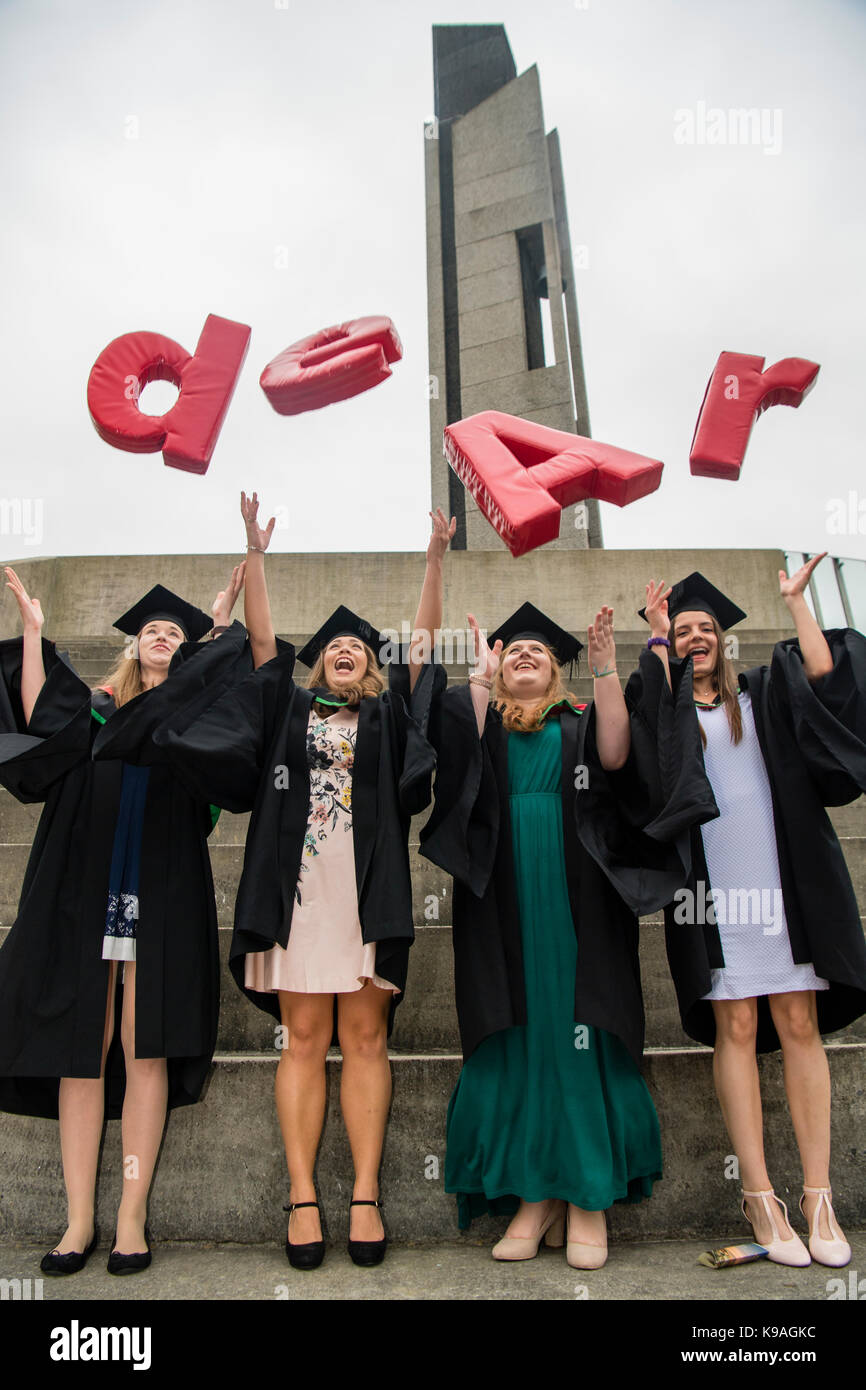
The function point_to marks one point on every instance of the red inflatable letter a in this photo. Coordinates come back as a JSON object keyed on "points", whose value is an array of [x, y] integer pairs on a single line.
{"points": [[522, 474]]}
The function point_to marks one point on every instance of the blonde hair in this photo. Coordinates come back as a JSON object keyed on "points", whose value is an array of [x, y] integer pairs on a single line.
{"points": [[123, 681], [371, 684], [523, 717], [725, 681]]}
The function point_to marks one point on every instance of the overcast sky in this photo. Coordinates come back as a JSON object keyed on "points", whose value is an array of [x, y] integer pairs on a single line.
{"points": [[264, 162]]}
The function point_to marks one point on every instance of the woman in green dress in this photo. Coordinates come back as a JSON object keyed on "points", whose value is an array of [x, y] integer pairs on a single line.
{"points": [[550, 1111]]}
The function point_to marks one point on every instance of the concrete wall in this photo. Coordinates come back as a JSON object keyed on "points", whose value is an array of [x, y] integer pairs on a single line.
{"points": [[81, 595]]}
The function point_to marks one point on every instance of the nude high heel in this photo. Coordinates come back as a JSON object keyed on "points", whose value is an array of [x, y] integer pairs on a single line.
{"points": [[782, 1252], [836, 1251], [526, 1247], [581, 1254]]}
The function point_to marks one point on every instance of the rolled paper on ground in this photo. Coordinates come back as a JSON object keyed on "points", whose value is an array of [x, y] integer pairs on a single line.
{"points": [[737, 392], [732, 1255], [331, 365], [522, 474]]}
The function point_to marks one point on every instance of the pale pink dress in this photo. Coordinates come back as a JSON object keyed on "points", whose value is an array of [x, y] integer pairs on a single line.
{"points": [[326, 953]]}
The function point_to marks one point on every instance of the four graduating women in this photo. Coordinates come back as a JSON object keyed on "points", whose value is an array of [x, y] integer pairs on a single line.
{"points": [[559, 823]]}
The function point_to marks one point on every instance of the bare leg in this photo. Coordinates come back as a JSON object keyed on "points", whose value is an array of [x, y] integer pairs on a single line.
{"points": [[529, 1218], [300, 1096], [735, 1071], [365, 1095], [81, 1112], [142, 1124], [807, 1084]]}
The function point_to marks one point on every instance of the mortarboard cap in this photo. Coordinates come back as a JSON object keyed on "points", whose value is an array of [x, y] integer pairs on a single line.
{"points": [[162, 603], [695, 594], [342, 622], [530, 622]]}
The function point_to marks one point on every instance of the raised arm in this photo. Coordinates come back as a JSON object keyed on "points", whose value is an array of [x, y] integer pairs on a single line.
{"points": [[226, 599], [428, 619], [482, 677], [613, 730], [817, 660], [33, 667], [257, 608], [660, 623]]}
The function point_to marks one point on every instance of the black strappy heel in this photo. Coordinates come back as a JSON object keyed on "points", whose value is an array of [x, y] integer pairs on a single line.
{"points": [[366, 1252], [307, 1256]]}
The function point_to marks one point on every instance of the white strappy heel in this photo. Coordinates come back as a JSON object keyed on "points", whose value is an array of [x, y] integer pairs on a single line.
{"points": [[791, 1251], [836, 1251]]}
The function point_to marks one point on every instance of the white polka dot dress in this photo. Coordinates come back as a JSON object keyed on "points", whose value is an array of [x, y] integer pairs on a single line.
{"points": [[743, 866]]}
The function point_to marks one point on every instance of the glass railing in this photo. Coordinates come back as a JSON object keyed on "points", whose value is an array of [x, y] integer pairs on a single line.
{"points": [[837, 590]]}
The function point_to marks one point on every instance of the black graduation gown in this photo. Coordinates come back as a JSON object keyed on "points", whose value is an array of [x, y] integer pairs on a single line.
{"points": [[53, 980], [813, 741], [245, 750], [626, 850]]}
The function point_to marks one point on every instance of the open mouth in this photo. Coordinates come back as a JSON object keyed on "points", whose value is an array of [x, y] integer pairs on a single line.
{"points": [[344, 663], [525, 666], [699, 653]]}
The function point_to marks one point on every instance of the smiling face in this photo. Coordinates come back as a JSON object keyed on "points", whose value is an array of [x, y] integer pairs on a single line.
{"points": [[157, 643], [345, 661], [695, 635], [526, 669]]}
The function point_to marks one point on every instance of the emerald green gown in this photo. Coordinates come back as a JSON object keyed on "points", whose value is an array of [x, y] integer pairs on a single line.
{"points": [[553, 1108]]}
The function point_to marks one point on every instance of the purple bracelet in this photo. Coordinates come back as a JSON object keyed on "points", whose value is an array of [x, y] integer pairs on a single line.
{"points": [[658, 642]]}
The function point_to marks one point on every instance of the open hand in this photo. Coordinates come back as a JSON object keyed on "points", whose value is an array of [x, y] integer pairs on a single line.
{"points": [[228, 597], [486, 661], [657, 608], [29, 608], [250, 511], [602, 648], [442, 536], [796, 584]]}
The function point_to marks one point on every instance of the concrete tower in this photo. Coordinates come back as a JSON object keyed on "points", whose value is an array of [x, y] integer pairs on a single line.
{"points": [[502, 311]]}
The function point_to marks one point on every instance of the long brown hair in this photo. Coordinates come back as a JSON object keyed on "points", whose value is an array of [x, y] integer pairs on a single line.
{"points": [[725, 681], [526, 718], [371, 684]]}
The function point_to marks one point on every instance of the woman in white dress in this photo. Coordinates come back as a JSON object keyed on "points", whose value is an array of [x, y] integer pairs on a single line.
{"points": [[742, 940]]}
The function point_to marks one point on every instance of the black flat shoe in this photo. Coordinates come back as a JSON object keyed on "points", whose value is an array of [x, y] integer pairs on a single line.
{"points": [[307, 1256], [119, 1263], [71, 1262], [366, 1252]]}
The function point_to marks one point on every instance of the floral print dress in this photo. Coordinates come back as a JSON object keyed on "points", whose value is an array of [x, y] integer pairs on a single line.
{"points": [[326, 953]]}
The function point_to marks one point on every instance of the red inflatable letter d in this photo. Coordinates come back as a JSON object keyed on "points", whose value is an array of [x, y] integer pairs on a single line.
{"points": [[188, 432]]}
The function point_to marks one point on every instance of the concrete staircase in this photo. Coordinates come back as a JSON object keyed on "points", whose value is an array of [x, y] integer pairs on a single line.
{"points": [[222, 1171]]}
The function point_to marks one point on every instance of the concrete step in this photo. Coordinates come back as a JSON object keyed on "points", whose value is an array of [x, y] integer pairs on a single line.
{"points": [[221, 1173], [18, 822], [431, 886], [426, 1019], [657, 1273]]}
